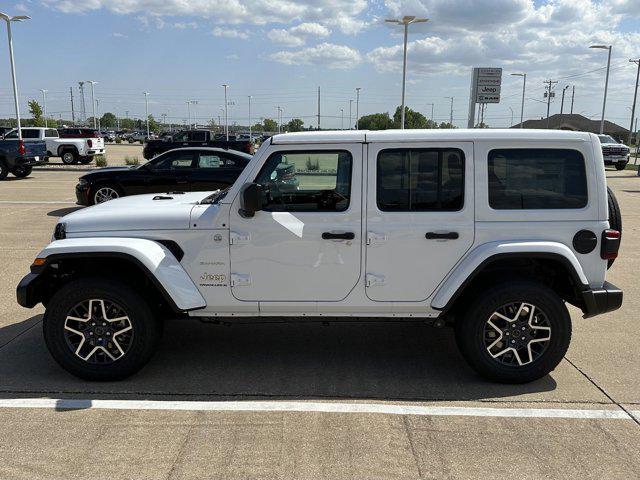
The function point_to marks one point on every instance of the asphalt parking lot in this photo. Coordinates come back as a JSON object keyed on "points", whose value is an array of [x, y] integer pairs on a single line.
{"points": [[385, 400]]}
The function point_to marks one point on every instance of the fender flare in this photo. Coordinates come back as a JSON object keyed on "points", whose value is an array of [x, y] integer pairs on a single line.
{"points": [[487, 253], [68, 146], [155, 260]]}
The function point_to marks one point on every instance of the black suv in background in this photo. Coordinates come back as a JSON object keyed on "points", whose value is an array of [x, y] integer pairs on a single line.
{"points": [[195, 138]]}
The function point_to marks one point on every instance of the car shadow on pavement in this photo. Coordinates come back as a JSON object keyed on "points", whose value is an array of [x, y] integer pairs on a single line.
{"points": [[377, 361], [61, 212]]}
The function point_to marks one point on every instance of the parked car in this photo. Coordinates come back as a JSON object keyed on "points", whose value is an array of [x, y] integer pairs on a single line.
{"points": [[108, 136], [184, 169], [490, 231], [194, 138], [70, 150], [614, 153], [18, 157]]}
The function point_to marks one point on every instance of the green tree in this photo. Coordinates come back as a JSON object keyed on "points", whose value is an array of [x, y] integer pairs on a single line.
{"points": [[154, 126], [375, 121], [446, 125], [108, 120], [412, 119], [258, 127], [295, 125], [269, 125], [36, 112]]}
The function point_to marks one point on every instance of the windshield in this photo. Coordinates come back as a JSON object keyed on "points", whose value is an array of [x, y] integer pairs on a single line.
{"points": [[606, 139]]}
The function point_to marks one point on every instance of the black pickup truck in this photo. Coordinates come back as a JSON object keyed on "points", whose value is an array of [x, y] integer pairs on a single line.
{"points": [[195, 138], [19, 157]]}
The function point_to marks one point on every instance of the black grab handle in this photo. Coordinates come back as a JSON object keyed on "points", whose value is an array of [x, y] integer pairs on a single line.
{"points": [[441, 236], [338, 236]]}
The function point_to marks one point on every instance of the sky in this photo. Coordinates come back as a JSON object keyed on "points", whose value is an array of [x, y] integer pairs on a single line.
{"points": [[281, 51]]}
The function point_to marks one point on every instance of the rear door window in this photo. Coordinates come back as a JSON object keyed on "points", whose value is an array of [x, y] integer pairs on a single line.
{"points": [[539, 178]]}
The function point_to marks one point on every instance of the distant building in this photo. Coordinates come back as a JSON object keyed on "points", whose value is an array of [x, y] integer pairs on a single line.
{"points": [[567, 121]]}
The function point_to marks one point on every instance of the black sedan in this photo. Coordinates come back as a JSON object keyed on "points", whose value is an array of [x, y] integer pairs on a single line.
{"points": [[184, 169]]}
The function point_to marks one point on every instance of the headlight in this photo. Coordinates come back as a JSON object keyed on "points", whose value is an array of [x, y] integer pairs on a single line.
{"points": [[60, 232], [82, 182]]}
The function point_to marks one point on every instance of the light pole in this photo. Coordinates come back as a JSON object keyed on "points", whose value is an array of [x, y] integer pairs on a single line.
{"points": [[189, 113], [44, 103], [249, 97], [432, 105], [146, 109], [450, 112], [8, 19], [562, 101], [279, 119], [524, 88], [606, 82], [511, 124], [93, 101], [350, 116], [358, 107], [226, 112], [342, 119], [405, 22], [97, 111], [635, 95]]}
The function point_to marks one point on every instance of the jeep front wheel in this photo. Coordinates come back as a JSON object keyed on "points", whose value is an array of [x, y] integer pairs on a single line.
{"points": [[515, 332], [99, 330]]}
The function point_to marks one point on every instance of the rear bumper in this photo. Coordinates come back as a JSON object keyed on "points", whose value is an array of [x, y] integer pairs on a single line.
{"points": [[30, 161], [601, 300], [95, 151]]}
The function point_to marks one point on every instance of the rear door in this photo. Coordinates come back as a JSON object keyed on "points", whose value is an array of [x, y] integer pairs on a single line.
{"points": [[420, 216]]}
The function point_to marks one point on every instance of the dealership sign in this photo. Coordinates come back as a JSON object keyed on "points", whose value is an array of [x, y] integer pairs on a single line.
{"points": [[485, 88]]}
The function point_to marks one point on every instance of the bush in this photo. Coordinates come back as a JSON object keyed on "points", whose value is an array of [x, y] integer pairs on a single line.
{"points": [[101, 161], [313, 166], [131, 161], [118, 140]]}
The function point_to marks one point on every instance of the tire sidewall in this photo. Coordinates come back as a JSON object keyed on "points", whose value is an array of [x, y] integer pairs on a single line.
{"points": [[470, 331], [22, 172], [145, 328], [95, 190], [74, 157]]}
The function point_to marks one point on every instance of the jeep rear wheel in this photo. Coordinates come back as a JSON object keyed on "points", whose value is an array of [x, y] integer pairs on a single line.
{"points": [[615, 216], [99, 330], [515, 332]]}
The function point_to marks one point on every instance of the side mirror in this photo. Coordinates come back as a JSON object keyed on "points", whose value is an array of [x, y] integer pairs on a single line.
{"points": [[250, 199]]}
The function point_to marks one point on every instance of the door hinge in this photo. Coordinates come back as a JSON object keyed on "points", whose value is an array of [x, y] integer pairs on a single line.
{"points": [[240, 279], [374, 237], [237, 238], [375, 280]]}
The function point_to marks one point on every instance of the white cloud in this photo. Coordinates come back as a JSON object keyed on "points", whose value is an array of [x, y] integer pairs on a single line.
{"points": [[325, 54], [184, 25], [229, 33], [119, 35], [298, 35], [232, 56]]}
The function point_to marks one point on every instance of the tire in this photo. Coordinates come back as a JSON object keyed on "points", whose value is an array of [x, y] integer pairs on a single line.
{"points": [[85, 160], [474, 332], [104, 193], [22, 172], [621, 166], [69, 157], [615, 216], [73, 344], [4, 169]]}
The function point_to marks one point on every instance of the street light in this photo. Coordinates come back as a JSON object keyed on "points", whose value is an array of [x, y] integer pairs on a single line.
{"points": [[405, 22], [524, 87], [432, 105], [146, 109], [350, 108], [358, 107], [606, 82], [93, 101], [226, 112], [635, 95], [9, 19], [451, 112], [342, 119], [44, 103], [249, 97], [279, 118]]}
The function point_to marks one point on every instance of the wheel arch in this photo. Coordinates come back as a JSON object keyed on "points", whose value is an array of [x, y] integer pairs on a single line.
{"points": [[67, 147], [548, 262], [147, 265]]}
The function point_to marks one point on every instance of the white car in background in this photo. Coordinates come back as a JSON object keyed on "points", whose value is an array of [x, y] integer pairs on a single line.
{"points": [[70, 150]]}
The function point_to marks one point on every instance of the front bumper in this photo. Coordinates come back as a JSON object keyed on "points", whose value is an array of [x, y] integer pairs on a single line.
{"points": [[615, 159], [29, 290], [601, 300]]}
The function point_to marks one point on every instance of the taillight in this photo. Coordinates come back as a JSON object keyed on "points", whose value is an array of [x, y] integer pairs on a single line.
{"points": [[21, 149], [610, 244], [90, 143]]}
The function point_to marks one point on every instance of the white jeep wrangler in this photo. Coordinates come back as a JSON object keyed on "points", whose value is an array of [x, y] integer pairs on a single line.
{"points": [[491, 231]]}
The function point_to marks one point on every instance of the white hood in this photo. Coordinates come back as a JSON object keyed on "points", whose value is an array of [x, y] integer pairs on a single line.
{"points": [[137, 212]]}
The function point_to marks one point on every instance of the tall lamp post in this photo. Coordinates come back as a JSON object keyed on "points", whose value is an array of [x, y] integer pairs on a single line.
{"points": [[405, 22], [358, 107], [606, 82], [9, 19], [432, 105], [146, 109], [524, 88], [350, 116], [93, 102], [635, 96], [226, 112], [450, 112], [342, 119], [250, 137], [44, 103]]}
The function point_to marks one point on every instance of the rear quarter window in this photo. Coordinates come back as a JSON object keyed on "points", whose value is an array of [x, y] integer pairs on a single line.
{"points": [[522, 179]]}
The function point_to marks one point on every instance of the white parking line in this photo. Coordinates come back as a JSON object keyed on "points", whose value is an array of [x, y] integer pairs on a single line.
{"points": [[36, 202], [318, 407]]}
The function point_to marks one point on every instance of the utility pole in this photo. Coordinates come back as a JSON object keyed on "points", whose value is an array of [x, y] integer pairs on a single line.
{"points": [[450, 113], [318, 108], [83, 108], [573, 95], [606, 82], [44, 102], [350, 116], [432, 104], [146, 110], [549, 93], [358, 107], [96, 113], [511, 125], [279, 117], [342, 119], [635, 95], [73, 113], [226, 112], [562, 102], [249, 97], [93, 102]]}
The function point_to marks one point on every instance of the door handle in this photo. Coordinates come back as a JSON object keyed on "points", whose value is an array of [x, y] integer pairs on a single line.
{"points": [[338, 236], [441, 236]]}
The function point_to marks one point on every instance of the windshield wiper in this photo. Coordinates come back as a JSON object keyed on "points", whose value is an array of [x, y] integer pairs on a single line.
{"points": [[215, 197]]}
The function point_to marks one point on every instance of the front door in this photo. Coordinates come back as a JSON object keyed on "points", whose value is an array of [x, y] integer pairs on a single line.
{"points": [[168, 172], [305, 244], [420, 216]]}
